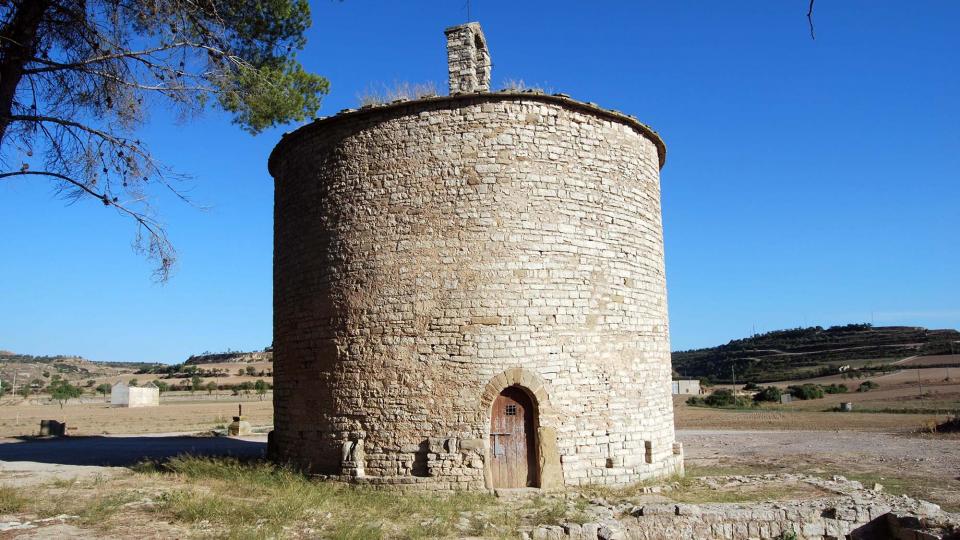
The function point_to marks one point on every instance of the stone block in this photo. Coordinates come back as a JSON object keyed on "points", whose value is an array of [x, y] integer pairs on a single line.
{"points": [[239, 427], [471, 445], [551, 472]]}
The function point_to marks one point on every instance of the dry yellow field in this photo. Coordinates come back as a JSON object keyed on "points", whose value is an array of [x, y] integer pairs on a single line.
{"points": [[925, 390], [100, 418], [687, 417]]}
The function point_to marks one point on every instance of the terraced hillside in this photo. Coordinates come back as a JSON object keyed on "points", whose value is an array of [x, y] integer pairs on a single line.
{"points": [[231, 357], [39, 369], [812, 352]]}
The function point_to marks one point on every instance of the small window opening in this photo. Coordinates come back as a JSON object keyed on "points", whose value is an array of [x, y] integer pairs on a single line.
{"points": [[511, 410], [478, 43]]}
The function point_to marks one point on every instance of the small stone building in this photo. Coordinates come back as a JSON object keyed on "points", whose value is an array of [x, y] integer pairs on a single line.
{"points": [[124, 395], [469, 291], [686, 386]]}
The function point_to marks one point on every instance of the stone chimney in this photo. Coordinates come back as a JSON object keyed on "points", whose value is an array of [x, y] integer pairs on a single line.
{"points": [[468, 59]]}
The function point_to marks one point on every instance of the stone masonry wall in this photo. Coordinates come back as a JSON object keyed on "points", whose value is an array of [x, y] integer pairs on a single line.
{"points": [[431, 253], [468, 59]]}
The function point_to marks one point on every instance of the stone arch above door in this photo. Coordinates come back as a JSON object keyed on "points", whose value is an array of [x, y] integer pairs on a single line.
{"points": [[550, 472], [530, 381]]}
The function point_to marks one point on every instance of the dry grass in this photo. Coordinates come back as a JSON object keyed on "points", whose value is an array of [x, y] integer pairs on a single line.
{"points": [[518, 85], [89, 505], [11, 501], [687, 417], [259, 500], [225, 498], [404, 91], [698, 493], [901, 404]]}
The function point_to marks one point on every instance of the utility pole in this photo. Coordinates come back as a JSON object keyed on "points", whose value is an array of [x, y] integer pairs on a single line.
{"points": [[920, 384], [15, 373], [951, 354], [733, 375]]}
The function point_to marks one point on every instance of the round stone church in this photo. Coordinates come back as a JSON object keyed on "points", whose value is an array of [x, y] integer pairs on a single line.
{"points": [[469, 291]]}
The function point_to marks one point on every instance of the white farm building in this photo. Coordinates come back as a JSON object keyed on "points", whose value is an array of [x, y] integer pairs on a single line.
{"points": [[687, 386], [124, 395]]}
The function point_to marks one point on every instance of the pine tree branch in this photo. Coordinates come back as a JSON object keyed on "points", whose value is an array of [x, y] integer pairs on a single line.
{"points": [[159, 246]]}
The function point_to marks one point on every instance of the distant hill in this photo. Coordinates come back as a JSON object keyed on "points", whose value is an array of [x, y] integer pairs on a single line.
{"points": [[231, 357], [27, 367], [810, 352], [9, 357]]}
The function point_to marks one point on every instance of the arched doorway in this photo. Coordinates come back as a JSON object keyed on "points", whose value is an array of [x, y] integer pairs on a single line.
{"points": [[513, 445]]}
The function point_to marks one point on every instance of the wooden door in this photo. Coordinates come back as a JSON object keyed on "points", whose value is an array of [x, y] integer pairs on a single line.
{"points": [[512, 449]]}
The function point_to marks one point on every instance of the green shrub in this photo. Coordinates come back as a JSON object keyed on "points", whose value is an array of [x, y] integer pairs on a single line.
{"points": [[725, 398], [770, 393], [806, 391], [751, 386], [867, 386], [720, 399], [62, 392], [835, 389]]}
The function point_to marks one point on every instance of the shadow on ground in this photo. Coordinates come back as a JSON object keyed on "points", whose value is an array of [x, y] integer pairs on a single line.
{"points": [[125, 451]]}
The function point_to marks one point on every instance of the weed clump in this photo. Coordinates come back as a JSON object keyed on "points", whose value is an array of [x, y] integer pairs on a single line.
{"points": [[400, 91], [11, 501], [260, 499]]}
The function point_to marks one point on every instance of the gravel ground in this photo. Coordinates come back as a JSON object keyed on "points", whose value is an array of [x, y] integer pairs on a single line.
{"points": [[928, 464]]}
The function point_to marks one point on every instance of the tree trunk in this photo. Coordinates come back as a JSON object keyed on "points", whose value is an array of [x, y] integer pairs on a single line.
{"points": [[18, 44]]}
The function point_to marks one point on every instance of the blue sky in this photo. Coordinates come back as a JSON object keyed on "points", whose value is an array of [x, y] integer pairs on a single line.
{"points": [[807, 182]]}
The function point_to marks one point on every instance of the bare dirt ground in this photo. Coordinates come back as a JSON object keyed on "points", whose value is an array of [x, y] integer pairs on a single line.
{"points": [[59, 496], [923, 466], [18, 419]]}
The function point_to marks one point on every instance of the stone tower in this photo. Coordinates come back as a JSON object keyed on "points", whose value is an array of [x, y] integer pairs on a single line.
{"points": [[469, 291], [468, 60]]}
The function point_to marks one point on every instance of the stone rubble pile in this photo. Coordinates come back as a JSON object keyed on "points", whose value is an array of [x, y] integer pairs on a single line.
{"points": [[852, 512]]}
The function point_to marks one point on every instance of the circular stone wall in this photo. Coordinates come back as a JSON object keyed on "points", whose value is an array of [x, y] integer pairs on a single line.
{"points": [[431, 254]]}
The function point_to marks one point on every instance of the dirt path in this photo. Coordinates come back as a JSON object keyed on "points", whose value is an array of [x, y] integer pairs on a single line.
{"points": [[927, 466]]}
